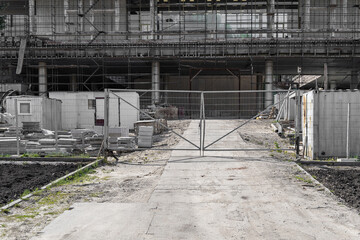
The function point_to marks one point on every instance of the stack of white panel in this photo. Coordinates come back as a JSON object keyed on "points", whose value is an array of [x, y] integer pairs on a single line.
{"points": [[145, 137]]}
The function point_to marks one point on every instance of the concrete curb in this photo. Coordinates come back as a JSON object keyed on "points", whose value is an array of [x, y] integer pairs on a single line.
{"points": [[315, 181], [90, 165], [46, 159]]}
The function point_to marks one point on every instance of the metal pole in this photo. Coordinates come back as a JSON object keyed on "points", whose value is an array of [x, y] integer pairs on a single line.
{"points": [[297, 124], [202, 130], [17, 128], [56, 132], [348, 133], [106, 119]]}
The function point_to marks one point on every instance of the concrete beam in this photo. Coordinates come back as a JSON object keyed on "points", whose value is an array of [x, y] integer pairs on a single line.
{"points": [[269, 75], [42, 79]]}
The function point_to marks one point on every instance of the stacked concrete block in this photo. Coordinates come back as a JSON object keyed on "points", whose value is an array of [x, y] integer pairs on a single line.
{"points": [[11, 132], [158, 125], [126, 142], [145, 137], [8, 145], [95, 143], [31, 127]]}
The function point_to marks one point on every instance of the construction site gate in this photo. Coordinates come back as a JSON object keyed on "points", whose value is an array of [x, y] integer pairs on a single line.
{"points": [[237, 108]]}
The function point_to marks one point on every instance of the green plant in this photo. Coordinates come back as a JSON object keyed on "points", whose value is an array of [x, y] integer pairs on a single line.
{"points": [[277, 146], [303, 179], [80, 176], [6, 211], [26, 192], [30, 155]]}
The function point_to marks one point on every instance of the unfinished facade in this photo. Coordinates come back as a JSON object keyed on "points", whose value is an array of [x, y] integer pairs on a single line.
{"points": [[89, 45]]}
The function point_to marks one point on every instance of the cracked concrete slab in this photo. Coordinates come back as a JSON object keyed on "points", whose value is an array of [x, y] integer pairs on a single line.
{"points": [[228, 195]]}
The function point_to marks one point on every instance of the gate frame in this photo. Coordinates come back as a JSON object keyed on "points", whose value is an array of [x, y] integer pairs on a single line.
{"points": [[202, 124]]}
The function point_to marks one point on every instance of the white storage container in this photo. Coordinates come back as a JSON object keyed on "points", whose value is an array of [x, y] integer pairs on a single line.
{"points": [[324, 123]]}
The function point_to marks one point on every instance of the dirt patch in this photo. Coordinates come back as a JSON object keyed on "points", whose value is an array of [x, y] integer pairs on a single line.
{"points": [[133, 179], [344, 182], [16, 178], [260, 134]]}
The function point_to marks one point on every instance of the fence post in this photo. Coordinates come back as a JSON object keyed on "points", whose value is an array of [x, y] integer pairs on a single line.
{"points": [[348, 133], [297, 123], [56, 130], [202, 124], [17, 128], [106, 120]]}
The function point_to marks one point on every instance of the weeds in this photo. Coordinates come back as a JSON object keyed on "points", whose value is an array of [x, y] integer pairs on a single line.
{"points": [[25, 193], [303, 179], [30, 155]]}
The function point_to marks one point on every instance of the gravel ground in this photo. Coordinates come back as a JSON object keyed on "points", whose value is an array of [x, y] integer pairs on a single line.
{"points": [[344, 182], [131, 180]]}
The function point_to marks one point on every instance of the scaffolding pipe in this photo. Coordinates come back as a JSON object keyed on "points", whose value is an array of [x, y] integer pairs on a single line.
{"points": [[269, 71]]}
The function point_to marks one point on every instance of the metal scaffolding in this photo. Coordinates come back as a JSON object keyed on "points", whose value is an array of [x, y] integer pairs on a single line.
{"points": [[93, 44]]}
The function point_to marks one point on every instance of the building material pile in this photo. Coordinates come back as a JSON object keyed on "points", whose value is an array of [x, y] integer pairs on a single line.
{"points": [[31, 127], [11, 132], [95, 143], [8, 145], [80, 135], [158, 125]]}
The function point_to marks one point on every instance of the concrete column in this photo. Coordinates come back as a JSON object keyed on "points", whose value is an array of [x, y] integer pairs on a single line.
{"points": [[73, 83], [153, 18], [121, 16], [81, 11], [66, 16], [333, 7], [270, 17], [344, 14], [32, 19], [269, 75], [354, 81], [307, 7], [155, 77], [259, 86], [42, 79], [326, 77]]}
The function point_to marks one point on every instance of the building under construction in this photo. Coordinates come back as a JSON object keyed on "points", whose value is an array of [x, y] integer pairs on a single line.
{"points": [[90, 45]]}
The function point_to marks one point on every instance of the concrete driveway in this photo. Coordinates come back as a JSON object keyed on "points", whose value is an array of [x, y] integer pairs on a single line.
{"points": [[225, 195]]}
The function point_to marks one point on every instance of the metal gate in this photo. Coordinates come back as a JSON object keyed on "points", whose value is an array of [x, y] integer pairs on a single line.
{"points": [[204, 107]]}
